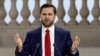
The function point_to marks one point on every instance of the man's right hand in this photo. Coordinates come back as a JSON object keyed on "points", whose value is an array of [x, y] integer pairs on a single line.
{"points": [[18, 41]]}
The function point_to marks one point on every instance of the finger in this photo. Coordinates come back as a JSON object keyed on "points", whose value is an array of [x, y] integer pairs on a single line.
{"points": [[77, 39], [76, 44], [17, 38], [73, 48], [17, 35]]}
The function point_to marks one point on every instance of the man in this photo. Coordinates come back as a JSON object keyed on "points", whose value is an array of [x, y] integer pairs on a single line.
{"points": [[47, 40]]}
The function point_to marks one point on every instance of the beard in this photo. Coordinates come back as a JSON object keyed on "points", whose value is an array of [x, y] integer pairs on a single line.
{"points": [[47, 23]]}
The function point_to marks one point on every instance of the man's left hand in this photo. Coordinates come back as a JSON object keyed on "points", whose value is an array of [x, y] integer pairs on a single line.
{"points": [[75, 44]]}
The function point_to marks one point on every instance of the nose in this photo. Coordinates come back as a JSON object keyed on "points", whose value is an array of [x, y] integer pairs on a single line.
{"points": [[46, 16]]}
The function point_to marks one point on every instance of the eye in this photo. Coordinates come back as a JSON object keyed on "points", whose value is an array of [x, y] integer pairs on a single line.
{"points": [[44, 14], [49, 14]]}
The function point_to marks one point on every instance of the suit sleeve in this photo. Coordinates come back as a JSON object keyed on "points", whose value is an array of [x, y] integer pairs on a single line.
{"points": [[69, 45], [25, 49]]}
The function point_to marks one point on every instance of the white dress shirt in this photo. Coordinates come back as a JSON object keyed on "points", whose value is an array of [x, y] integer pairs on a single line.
{"points": [[51, 29]]}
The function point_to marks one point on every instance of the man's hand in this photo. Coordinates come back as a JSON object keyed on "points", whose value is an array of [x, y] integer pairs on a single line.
{"points": [[18, 41], [75, 44]]}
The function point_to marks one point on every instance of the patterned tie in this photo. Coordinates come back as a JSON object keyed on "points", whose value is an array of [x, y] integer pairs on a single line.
{"points": [[47, 44]]}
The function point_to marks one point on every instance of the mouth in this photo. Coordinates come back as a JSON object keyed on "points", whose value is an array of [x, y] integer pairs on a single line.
{"points": [[46, 20]]}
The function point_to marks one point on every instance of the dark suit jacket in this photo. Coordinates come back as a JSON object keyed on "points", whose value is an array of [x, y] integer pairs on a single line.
{"points": [[63, 43]]}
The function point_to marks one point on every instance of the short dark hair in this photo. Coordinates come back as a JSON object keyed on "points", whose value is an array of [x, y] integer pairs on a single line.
{"points": [[48, 5]]}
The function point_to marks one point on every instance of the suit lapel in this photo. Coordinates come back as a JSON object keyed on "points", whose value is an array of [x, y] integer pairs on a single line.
{"points": [[39, 40], [57, 41]]}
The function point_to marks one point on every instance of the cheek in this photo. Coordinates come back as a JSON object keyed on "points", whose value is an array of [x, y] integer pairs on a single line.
{"points": [[52, 18], [42, 18]]}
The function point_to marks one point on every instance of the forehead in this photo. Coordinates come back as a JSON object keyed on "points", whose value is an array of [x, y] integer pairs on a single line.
{"points": [[47, 10]]}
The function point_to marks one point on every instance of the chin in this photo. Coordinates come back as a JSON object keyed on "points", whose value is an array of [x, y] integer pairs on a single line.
{"points": [[48, 25]]}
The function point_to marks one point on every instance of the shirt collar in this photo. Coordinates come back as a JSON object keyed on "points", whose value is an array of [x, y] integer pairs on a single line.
{"points": [[51, 29]]}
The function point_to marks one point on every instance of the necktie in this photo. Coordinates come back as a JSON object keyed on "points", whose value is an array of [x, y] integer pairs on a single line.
{"points": [[47, 44]]}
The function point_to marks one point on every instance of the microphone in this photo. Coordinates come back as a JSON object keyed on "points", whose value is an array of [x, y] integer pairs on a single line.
{"points": [[57, 49], [37, 46]]}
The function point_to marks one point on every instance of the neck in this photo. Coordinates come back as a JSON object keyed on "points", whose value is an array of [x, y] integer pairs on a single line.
{"points": [[48, 26]]}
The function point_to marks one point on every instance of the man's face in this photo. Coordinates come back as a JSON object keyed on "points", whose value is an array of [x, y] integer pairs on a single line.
{"points": [[47, 16]]}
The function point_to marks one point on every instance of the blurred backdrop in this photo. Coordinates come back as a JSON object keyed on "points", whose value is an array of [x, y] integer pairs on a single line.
{"points": [[80, 17]]}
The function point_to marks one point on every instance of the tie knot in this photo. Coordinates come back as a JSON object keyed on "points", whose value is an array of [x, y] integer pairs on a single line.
{"points": [[47, 30]]}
